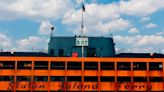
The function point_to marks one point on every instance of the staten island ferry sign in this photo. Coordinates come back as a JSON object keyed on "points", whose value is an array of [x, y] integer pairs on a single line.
{"points": [[71, 86]]}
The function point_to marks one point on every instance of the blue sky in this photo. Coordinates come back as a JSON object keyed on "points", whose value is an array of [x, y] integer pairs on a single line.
{"points": [[136, 25]]}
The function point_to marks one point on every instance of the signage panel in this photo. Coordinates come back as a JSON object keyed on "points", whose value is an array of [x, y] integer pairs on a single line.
{"points": [[80, 41]]}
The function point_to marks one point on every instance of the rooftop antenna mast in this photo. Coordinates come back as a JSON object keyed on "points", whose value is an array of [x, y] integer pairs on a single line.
{"points": [[82, 27], [52, 29]]}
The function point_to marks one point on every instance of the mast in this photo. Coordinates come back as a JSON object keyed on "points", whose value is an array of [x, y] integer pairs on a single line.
{"points": [[82, 28], [52, 29], [82, 19]]}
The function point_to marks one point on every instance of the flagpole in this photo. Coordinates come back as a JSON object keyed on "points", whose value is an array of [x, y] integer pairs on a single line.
{"points": [[82, 26]]}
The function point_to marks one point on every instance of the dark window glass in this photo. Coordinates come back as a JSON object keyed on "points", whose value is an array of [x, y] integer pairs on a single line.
{"points": [[107, 79], [41, 65], [124, 79], [23, 78], [90, 65], [52, 52], [7, 64], [140, 79], [90, 78], [156, 79], [24, 65], [74, 78], [155, 66], [91, 52], [61, 52], [58, 65], [57, 78], [6, 78], [139, 66], [107, 65], [123, 66], [40, 78], [74, 66]]}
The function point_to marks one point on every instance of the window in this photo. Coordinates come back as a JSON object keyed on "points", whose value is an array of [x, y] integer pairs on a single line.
{"points": [[74, 78], [41, 65], [58, 65], [74, 66], [107, 79], [107, 65], [24, 65], [7, 64], [52, 52], [123, 66], [57, 78], [139, 66], [91, 52], [156, 79], [40, 78], [155, 66], [90, 65], [140, 79], [61, 52], [124, 79], [90, 78], [23, 78], [6, 78]]}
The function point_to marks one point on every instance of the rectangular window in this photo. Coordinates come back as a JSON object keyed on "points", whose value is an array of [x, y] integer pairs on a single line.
{"points": [[40, 78], [139, 66], [58, 65], [52, 51], [123, 66], [57, 78], [61, 52], [123, 79], [140, 79], [155, 66], [156, 79], [107, 79], [41, 65], [90, 65], [6, 78], [74, 78], [107, 65], [24, 65], [74, 66], [23, 78], [7, 64], [90, 78], [91, 52]]}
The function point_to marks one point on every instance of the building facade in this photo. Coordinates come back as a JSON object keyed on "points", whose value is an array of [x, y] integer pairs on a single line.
{"points": [[93, 46]]}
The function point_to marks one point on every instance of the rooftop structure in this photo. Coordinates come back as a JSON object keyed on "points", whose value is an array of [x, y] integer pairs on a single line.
{"points": [[93, 46]]}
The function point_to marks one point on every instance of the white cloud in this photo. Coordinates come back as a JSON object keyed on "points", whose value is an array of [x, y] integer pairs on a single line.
{"points": [[115, 25], [45, 28], [141, 7], [133, 31], [33, 9], [145, 19], [5, 41], [140, 43], [53, 9], [32, 42], [151, 25], [160, 33], [94, 13]]}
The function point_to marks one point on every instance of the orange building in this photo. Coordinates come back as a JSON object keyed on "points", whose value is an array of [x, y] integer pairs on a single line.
{"points": [[73, 74]]}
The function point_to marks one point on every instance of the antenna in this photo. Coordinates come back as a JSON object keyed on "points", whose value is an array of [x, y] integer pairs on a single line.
{"points": [[52, 29], [82, 27], [82, 19]]}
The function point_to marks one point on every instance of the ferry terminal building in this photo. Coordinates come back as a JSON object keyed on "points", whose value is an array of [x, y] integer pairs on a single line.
{"points": [[63, 69]]}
